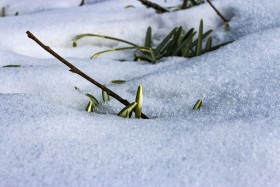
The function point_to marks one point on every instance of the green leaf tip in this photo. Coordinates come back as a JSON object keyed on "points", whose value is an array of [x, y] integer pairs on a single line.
{"points": [[226, 26], [92, 104], [198, 104], [11, 66], [94, 56], [90, 107], [126, 111], [118, 81], [148, 39], [105, 96], [139, 101], [129, 6], [199, 39]]}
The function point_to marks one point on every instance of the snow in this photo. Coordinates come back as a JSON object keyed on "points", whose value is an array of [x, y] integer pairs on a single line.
{"points": [[47, 138]]}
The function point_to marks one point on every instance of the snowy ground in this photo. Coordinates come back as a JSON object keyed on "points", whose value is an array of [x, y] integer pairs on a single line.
{"points": [[47, 139]]}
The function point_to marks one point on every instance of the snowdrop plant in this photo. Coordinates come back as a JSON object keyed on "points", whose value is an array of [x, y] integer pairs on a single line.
{"points": [[94, 102], [126, 112], [177, 43], [136, 106]]}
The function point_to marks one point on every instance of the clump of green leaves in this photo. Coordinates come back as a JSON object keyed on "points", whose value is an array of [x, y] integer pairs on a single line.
{"points": [[126, 112], [177, 43]]}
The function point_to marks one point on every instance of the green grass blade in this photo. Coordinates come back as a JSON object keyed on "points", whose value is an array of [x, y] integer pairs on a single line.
{"points": [[199, 39], [148, 39], [80, 36], [188, 34], [216, 47], [153, 57], [173, 42], [208, 43], [111, 50], [139, 101], [185, 43], [146, 57], [181, 37], [203, 37], [164, 41], [186, 50]]}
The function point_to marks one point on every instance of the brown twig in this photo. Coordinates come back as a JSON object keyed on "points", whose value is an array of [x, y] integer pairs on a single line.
{"points": [[155, 6], [79, 72], [217, 11]]}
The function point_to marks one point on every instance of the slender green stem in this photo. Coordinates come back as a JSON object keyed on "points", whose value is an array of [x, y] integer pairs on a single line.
{"points": [[110, 50], [80, 36]]}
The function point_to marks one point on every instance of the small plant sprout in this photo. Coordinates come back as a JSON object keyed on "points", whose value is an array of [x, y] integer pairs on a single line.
{"points": [[136, 106], [198, 104], [126, 112], [139, 101], [105, 96], [92, 103]]}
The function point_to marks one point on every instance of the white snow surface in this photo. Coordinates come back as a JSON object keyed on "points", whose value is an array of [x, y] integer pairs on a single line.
{"points": [[47, 138]]}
